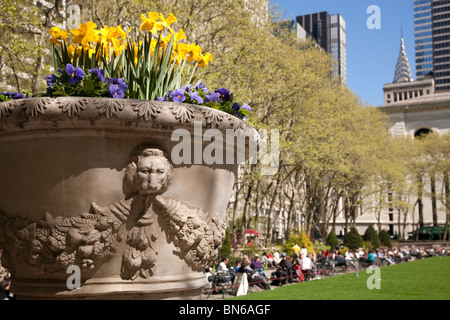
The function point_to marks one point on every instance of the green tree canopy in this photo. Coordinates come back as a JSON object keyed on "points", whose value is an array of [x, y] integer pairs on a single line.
{"points": [[353, 239], [370, 235]]}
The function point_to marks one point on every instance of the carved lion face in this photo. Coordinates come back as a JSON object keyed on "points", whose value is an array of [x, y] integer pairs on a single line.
{"points": [[153, 173]]}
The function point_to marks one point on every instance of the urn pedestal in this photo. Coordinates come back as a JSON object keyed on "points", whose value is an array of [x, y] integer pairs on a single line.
{"points": [[115, 198]]}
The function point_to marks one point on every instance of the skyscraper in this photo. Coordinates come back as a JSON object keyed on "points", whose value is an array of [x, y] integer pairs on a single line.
{"points": [[402, 69], [432, 36], [424, 38], [329, 33], [441, 44]]}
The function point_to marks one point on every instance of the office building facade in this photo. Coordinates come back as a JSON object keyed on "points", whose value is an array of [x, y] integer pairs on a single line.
{"points": [[423, 38], [432, 36], [441, 44], [329, 32]]}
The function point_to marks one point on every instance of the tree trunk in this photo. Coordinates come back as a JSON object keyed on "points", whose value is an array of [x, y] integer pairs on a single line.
{"points": [[269, 220], [420, 202], [446, 235]]}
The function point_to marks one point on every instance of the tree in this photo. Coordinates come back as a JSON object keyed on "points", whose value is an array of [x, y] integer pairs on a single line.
{"points": [[24, 46], [302, 239], [332, 239], [385, 239], [225, 251], [353, 239], [370, 235]]}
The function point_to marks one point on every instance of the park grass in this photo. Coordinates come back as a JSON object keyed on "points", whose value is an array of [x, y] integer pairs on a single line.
{"points": [[426, 279]]}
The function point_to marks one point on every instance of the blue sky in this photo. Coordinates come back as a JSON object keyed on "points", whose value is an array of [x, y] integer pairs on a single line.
{"points": [[371, 53]]}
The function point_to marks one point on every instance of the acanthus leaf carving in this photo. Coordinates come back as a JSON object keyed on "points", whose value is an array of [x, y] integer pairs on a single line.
{"points": [[213, 118], [146, 109], [73, 107], [6, 108], [183, 113], [110, 107], [34, 107]]}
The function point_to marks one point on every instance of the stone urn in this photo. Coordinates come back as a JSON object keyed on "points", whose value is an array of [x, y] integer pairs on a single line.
{"points": [[115, 198]]}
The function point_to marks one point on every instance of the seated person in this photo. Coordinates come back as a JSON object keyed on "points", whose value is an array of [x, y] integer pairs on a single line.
{"points": [[254, 278], [307, 267], [223, 269], [238, 265], [266, 261], [286, 266], [297, 270], [209, 274], [278, 277], [257, 265]]}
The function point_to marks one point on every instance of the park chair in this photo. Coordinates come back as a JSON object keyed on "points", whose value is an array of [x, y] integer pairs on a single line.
{"points": [[223, 282]]}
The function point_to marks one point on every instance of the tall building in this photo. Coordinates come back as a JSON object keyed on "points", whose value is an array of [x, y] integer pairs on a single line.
{"points": [[402, 69], [424, 38], [329, 33], [441, 44], [432, 35]]}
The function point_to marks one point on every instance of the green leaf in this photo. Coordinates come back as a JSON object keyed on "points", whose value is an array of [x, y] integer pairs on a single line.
{"points": [[88, 85]]}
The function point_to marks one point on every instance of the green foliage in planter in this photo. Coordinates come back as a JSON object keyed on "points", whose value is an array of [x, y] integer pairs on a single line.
{"points": [[353, 239]]}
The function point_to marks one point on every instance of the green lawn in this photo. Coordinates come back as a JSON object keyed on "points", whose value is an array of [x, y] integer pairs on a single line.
{"points": [[426, 279]]}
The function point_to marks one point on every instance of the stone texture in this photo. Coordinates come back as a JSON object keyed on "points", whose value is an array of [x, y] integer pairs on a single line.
{"points": [[90, 182]]}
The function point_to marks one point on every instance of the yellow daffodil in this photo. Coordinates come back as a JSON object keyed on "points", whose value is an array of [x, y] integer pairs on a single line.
{"points": [[165, 23], [112, 39], [85, 33], [136, 48], [71, 50], [203, 60], [180, 35], [149, 24], [58, 34], [189, 52]]}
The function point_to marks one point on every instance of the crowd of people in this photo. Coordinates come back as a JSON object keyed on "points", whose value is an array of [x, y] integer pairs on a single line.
{"points": [[266, 270], [276, 269]]}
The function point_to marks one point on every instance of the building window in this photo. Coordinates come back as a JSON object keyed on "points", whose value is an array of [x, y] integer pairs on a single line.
{"points": [[422, 132]]}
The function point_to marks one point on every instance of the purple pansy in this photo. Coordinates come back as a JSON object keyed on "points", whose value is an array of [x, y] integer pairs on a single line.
{"points": [[115, 91], [187, 88], [99, 73], [75, 74], [245, 107], [201, 86], [51, 80], [13, 95], [224, 94], [177, 95], [212, 97], [120, 82], [195, 96], [162, 98]]}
